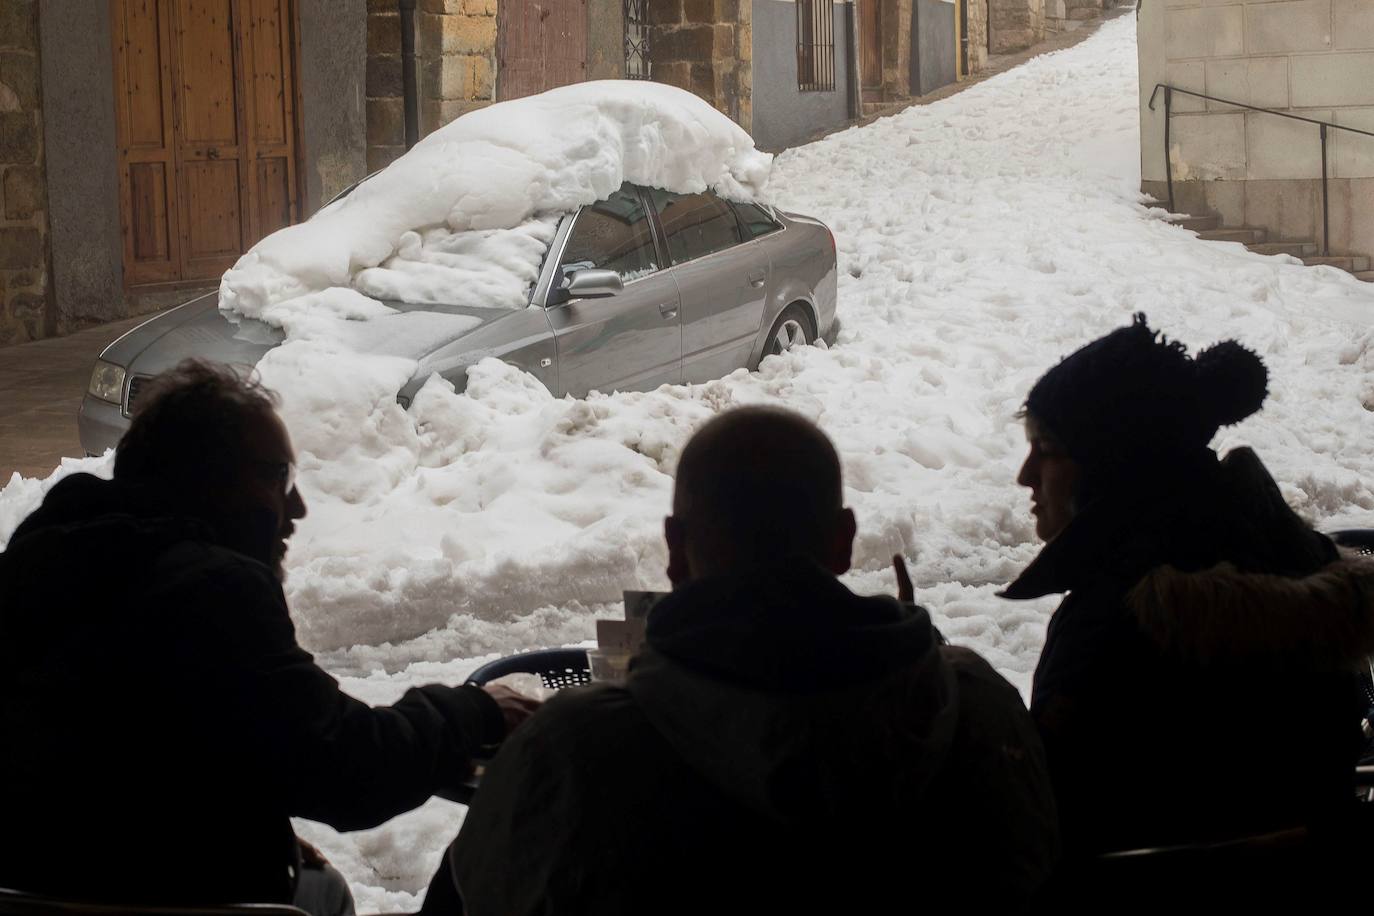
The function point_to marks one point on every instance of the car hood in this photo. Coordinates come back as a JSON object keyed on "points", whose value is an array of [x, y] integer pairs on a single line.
{"points": [[199, 328]]}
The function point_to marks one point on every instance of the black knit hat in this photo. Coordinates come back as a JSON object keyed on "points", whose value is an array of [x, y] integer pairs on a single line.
{"points": [[1134, 402]]}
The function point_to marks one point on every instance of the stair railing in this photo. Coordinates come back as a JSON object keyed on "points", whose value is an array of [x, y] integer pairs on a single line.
{"points": [[1323, 127]]}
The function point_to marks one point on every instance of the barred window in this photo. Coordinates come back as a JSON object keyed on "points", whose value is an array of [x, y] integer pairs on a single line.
{"points": [[816, 45], [636, 39]]}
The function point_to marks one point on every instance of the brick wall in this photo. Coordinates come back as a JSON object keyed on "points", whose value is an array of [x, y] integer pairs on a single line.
{"points": [[25, 312], [706, 46], [1313, 58]]}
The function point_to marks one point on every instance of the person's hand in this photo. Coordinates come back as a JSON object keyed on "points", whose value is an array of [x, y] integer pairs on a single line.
{"points": [[906, 593], [515, 707]]}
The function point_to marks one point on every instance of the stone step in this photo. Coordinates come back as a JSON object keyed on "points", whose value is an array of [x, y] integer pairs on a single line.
{"points": [[1245, 236], [1198, 223], [1365, 275], [1351, 263], [1296, 249]]}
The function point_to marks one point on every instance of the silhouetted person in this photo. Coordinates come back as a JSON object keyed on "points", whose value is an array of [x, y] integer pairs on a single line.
{"points": [[781, 745], [160, 722], [1197, 682]]}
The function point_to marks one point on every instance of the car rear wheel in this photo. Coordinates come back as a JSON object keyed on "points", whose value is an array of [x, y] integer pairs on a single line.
{"points": [[792, 329]]}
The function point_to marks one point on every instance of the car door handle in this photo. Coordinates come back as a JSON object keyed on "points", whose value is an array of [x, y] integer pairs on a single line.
{"points": [[668, 310], [757, 278]]}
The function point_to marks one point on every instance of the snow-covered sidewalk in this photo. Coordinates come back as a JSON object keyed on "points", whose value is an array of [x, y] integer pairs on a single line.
{"points": [[980, 238]]}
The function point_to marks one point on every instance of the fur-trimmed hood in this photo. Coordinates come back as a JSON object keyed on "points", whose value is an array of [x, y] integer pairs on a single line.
{"points": [[1322, 621]]}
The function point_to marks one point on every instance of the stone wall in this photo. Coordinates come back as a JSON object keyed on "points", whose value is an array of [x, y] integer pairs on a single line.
{"points": [[706, 46], [1314, 58], [456, 41], [386, 138], [977, 36], [896, 28], [25, 296], [1014, 25], [455, 47]]}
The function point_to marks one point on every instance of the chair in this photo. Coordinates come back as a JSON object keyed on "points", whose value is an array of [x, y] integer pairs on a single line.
{"points": [[19, 903], [557, 668], [1360, 539]]}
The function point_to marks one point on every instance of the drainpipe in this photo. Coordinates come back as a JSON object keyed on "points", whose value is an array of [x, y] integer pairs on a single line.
{"points": [[409, 93]]}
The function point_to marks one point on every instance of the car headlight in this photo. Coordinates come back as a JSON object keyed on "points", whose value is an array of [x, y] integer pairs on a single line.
{"points": [[107, 382]]}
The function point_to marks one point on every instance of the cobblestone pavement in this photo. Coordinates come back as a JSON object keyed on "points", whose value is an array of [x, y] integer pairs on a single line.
{"points": [[41, 385]]}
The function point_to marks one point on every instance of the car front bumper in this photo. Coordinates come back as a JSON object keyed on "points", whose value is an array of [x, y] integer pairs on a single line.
{"points": [[100, 425]]}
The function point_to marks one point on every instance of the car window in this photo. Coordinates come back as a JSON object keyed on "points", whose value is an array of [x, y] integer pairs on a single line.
{"points": [[756, 220], [696, 224], [612, 234]]}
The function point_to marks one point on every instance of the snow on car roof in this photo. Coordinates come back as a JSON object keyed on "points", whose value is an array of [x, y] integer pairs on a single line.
{"points": [[464, 216]]}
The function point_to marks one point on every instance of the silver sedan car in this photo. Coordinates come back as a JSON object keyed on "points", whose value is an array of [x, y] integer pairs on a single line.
{"points": [[637, 290]]}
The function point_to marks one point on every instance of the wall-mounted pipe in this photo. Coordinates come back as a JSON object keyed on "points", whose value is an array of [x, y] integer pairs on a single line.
{"points": [[410, 94]]}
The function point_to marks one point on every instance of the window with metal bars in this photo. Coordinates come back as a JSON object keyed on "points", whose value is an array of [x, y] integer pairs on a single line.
{"points": [[816, 45], [636, 39]]}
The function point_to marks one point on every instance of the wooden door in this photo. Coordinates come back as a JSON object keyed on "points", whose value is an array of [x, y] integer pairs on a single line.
{"points": [[871, 43], [205, 100], [540, 44]]}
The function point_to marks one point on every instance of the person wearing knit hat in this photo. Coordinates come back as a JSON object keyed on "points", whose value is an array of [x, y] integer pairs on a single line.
{"points": [[1198, 680]]}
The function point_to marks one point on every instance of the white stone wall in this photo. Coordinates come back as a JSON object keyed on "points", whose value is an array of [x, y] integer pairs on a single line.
{"points": [[1313, 58], [1309, 57]]}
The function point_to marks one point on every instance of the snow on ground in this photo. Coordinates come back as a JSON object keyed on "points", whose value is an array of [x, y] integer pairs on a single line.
{"points": [[980, 239]]}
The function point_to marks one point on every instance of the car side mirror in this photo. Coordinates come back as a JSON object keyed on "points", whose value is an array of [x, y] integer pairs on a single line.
{"points": [[590, 284]]}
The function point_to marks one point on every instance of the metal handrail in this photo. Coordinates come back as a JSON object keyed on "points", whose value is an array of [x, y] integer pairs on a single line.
{"points": [[1323, 126]]}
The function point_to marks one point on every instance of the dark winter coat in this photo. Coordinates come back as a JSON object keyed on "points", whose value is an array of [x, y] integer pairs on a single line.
{"points": [[160, 723], [1197, 682], [782, 745]]}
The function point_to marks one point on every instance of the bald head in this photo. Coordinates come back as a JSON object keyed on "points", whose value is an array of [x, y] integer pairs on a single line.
{"points": [[757, 485]]}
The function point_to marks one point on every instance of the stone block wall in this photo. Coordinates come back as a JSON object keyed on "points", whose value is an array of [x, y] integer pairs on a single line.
{"points": [[1014, 25], [1313, 58], [706, 46], [25, 296], [977, 36], [386, 139], [456, 44]]}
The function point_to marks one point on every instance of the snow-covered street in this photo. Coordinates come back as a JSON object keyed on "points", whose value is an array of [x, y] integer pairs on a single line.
{"points": [[979, 239]]}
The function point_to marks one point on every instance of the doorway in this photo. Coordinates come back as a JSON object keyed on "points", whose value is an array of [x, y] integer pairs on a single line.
{"points": [[206, 126], [539, 45], [871, 44]]}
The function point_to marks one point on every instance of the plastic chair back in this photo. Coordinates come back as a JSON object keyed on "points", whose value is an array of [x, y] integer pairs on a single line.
{"points": [[19, 903], [557, 668]]}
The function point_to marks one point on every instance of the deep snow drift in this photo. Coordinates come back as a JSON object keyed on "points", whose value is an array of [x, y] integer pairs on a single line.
{"points": [[980, 239]]}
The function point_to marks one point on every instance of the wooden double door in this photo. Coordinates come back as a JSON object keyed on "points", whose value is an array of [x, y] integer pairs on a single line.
{"points": [[205, 100], [540, 44]]}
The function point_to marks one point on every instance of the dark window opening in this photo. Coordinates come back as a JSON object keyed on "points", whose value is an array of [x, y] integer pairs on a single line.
{"points": [[696, 224], [816, 45], [636, 40]]}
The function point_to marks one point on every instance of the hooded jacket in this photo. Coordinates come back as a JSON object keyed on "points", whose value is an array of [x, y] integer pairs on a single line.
{"points": [[160, 723], [1198, 681], [780, 745]]}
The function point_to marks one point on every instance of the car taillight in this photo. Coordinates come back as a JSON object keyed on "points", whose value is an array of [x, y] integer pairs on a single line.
{"points": [[830, 235]]}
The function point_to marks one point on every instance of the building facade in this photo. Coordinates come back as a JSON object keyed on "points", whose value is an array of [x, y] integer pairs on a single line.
{"points": [[1312, 59]]}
